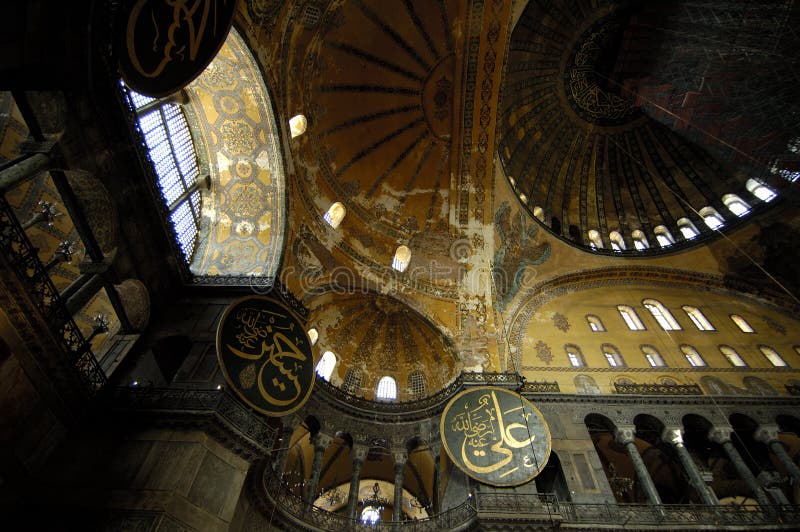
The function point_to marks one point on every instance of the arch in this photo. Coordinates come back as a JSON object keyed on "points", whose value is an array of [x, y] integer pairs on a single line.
{"points": [[652, 356], [538, 213], [663, 316], [732, 356], [715, 386], [387, 389], [523, 198], [711, 217], [630, 317], [325, 365], [574, 356], [758, 386], [735, 204], [313, 335], [612, 356], [335, 214], [552, 480], [617, 242], [639, 240], [584, 384], [663, 236], [698, 318], [760, 190], [772, 356], [402, 256], [595, 323], [417, 386], [742, 323], [687, 228], [297, 125], [595, 240], [693, 356]]}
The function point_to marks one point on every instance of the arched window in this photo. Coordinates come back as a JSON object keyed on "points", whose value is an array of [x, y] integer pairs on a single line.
{"points": [[574, 355], [687, 228], [663, 236], [662, 315], [297, 125], [538, 212], [698, 318], [594, 323], [639, 240], [712, 218], [741, 323], [313, 335], [630, 317], [172, 153], [512, 181], [617, 242], [387, 389], [612, 356], [402, 256], [352, 380], [694, 358], [653, 356], [416, 384], [774, 358], [733, 356], [760, 190], [325, 365], [335, 214], [595, 241], [735, 204], [523, 198]]}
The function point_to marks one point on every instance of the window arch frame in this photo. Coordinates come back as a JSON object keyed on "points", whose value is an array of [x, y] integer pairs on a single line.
{"points": [[662, 315], [401, 259], [742, 207], [654, 358], [711, 217], [595, 323], [661, 231], [617, 242], [386, 390], [297, 125], [685, 225], [631, 318], [764, 351], [698, 318], [574, 356], [326, 365], [732, 356], [640, 242], [595, 239], [743, 325], [759, 190], [693, 356], [335, 214], [612, 355]]}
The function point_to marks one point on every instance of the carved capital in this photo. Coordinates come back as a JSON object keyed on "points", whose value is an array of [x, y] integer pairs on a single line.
{"points": [[321, 441], [359, 453], [720, 434], [672, 435], [400, 458], [625, 434], [766, 433]]}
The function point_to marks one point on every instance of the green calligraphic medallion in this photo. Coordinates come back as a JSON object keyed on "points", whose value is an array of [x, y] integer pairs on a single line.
{"points": [[265, 355], [165, 44], [495, 436]]}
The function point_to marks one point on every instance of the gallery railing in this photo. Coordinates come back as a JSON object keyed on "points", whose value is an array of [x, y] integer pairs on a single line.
{"points": [[24, 260], [658, 389], [311, 517]]}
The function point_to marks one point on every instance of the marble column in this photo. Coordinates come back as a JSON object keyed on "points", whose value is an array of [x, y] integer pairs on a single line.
{"points": [[399, 468], [321, 443], [279, 465], [769, 434], [722, 436], [625, 436], [359, 454], [674, 436]]}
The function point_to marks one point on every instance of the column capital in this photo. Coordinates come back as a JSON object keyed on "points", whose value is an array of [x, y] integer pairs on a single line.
{"points": [[720, 434], [625, 434], [359, 453], [400, 457], [766, 433], [672, 435], [321, 441]]}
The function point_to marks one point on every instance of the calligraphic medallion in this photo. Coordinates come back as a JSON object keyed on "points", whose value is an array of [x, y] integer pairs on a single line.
{"points": [[495, 436], [165, 44], [265, 355]]}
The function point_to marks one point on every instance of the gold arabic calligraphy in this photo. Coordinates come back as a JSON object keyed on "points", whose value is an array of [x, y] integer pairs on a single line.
{"points": [[262, 338], [485, 426]]}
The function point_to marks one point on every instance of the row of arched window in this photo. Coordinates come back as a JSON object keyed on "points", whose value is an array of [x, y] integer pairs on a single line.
{"points": [[664, 238], [665, 318], [655, 360]]}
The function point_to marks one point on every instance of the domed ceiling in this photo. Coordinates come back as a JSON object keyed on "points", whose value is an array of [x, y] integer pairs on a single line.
{"points": [[576, 145], [380, 336]]}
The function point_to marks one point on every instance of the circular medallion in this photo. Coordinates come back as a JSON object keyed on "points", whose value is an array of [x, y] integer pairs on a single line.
{"points": [[495, 436], [265, 355]]}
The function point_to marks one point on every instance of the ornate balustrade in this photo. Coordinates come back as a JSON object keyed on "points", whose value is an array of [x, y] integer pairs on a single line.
{"points": [[658, 389], [24, 261], [241, 425], [540, 387]]}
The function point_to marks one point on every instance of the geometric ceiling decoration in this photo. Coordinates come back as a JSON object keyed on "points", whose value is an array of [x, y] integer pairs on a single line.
{"points": [[579, 148]]}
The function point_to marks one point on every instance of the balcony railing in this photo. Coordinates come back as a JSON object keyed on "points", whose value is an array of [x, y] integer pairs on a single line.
{"points": [[658, 389]]}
